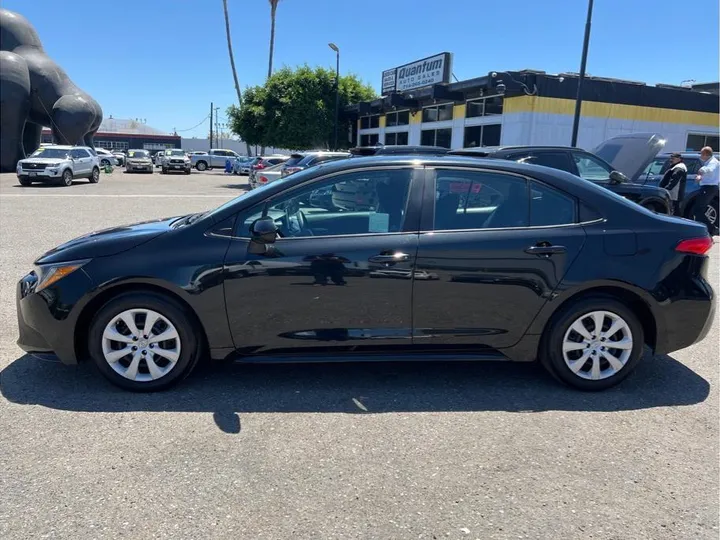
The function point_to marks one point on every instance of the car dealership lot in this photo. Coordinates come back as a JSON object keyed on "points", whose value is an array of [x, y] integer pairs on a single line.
{"points": [[335, 451]]}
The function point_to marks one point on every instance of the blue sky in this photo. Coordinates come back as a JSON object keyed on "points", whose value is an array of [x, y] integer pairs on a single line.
{"points": [[118, 52]]}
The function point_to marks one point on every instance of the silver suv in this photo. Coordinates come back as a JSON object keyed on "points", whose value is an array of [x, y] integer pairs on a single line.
{"points": [[59, 164], [175, 160]]}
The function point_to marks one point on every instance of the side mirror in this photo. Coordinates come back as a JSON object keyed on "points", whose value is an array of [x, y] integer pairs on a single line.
{"points": [[616, 177], [264, 230]]}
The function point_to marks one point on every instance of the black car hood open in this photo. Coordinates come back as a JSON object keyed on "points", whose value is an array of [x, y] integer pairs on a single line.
{"points": [[107, 242], [630, 153]]}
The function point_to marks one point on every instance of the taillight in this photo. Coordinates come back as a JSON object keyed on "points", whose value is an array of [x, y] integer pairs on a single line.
{"points": [[696, 246], [263, 180], [259, 166]]}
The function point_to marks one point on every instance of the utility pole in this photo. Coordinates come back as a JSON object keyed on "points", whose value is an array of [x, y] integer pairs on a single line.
{"points": [[583, 62], [217, 127], [211, 125]]}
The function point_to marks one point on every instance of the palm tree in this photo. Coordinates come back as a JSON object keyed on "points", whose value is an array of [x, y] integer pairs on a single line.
{"points": [[273, 9], [232, 60]]}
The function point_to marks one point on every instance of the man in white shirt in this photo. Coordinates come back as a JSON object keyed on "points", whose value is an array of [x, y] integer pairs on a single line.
{"points": [[708, 176]]}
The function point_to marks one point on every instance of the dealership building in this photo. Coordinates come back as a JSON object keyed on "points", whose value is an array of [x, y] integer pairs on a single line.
{"points": [[419, 105], [122, 134]]}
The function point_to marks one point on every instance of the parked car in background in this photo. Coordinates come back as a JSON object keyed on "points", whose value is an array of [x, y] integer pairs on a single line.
{"points": [[298, 162], [654, 172], [106, 158], [59, 164], [157, 158], [496, 260], [175, 160], [239, 163], [120, 156], [616, 164], [139, 160], [396, 149], [263, 162], [214, 158], [266, 176]]}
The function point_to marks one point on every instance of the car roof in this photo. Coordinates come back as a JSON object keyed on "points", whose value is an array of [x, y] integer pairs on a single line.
{"points": [[490, 150], [63, 146], [397, 149]]}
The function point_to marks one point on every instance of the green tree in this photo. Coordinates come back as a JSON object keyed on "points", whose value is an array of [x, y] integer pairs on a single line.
{"points": [[295, 109]]}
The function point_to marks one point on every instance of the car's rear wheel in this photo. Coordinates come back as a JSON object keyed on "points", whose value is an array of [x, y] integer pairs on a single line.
{"points": [[95, 176], [201, 166], [143, 342], [593, 344], [67, 177]]}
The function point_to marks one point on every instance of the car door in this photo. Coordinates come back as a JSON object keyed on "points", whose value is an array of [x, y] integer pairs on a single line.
{"points": [[499, 244], [82, 165], [315, 287]]}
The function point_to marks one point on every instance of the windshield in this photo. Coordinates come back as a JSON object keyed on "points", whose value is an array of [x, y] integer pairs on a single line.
{"points": [[138, 154], [50, 153], [174, 153], [657, 166]]}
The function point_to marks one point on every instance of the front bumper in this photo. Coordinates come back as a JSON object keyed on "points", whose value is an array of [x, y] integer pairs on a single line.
{"points": [[134, 167], [40, 174], [47, 319]]}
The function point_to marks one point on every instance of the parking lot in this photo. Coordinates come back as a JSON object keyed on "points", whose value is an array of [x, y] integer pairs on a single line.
{"points": [[416, 450]]}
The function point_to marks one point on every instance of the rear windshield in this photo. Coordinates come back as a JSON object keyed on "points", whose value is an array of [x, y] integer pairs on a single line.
{"points": [[294, 160]]}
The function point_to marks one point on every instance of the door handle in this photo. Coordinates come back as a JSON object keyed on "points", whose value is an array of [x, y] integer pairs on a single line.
{"points": [[389, 258], [545, 250]]}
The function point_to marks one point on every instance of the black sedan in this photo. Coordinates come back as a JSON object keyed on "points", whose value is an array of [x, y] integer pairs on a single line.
{"points": [[527, 263]]}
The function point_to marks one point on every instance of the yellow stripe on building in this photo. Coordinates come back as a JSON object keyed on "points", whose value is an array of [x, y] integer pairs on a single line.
{"points": [[539, 104], [383, 121], [459, 111]]}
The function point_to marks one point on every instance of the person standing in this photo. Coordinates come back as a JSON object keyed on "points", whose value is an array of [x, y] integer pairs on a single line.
{"points": [[708, 177], [674, 181]]}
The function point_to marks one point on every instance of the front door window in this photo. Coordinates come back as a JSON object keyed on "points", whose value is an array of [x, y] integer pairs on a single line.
{"points": [[366, 202]]}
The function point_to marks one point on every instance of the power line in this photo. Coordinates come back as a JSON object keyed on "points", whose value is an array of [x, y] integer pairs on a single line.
{"points": [[196, 125]]}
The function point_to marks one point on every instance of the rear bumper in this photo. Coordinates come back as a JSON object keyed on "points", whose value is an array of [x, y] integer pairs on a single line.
{"points": [[688, 319]]}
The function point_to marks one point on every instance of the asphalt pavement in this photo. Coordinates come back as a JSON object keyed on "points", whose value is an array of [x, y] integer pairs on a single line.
{"points": [[358, 451]]}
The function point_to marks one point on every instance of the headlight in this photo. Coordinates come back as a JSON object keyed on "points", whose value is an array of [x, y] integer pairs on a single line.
{"points": [[50, 273]]}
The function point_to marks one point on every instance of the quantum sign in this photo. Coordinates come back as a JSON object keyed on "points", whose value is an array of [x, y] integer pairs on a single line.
{"points": [[425, 72]]}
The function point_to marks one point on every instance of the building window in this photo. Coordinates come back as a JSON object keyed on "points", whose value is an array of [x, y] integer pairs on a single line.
{"points": [[487, 135], [488, 106], [369, 140], [401, 137], [696, 141], [436, 137], [370, 122], [401, 118], [438, 113], [112, 145]]}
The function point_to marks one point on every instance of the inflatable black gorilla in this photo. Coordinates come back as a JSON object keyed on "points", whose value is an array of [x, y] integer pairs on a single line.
{"points": [[36, 92]]}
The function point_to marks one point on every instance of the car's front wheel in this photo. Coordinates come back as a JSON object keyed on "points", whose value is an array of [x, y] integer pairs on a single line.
{"points": [[24, 181], [67, 177], [95, 176], [593, 344], [143, 342]]}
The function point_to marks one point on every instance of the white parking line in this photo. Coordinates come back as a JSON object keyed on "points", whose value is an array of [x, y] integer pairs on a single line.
{"points": [[124, 196]]}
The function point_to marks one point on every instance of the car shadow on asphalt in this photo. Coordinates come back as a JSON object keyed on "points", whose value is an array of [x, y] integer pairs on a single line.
{"points": [[227, 390], [244, 187]]}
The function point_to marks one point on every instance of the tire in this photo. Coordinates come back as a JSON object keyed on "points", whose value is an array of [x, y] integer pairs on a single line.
{"points": [[24, 181], [104, 163], [201, 166], [67, 178], [558, 334], [169, 311], [163, 171], [654, 207], [187, 171], [94, 176]]}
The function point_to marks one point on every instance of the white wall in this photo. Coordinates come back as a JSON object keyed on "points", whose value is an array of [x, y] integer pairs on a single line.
{"points": [[227, 144]]}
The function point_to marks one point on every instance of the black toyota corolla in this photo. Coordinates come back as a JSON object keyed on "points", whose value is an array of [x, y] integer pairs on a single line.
{"points": [[392, 258]]}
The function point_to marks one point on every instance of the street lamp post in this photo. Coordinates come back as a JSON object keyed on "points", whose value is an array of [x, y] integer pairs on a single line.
{"points": [[337, 91], [583, 62]]}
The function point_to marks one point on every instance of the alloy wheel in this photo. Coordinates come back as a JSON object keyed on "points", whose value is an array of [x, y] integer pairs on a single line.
{"points": [[711, 214], [597, 345], [141, 345]]}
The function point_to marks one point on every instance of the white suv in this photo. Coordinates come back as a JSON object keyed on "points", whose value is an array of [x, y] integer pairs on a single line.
{"points": [[59, 164]]}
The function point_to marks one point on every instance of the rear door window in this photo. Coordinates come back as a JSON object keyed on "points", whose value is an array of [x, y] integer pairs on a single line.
{"points": [[591, 168], [553, 159], [550, 207], [480, 200]]}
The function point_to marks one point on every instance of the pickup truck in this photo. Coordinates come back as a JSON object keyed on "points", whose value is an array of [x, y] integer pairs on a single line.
{"points": [[215, 158]]}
